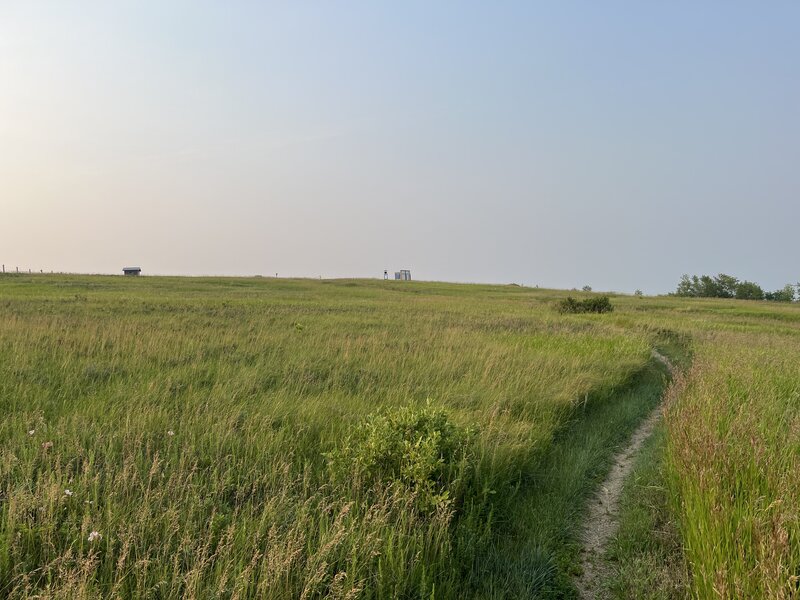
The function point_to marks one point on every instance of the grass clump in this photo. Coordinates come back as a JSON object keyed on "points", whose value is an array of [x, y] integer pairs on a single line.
{"points": [[419, 452], [597, 304]]}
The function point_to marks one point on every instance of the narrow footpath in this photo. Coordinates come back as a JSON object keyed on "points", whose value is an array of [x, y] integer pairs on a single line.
{"points": [[603, 516]]}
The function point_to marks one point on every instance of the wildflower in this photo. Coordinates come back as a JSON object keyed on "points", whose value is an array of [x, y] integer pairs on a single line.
{"points": [[47, 445], [170, 433], [31, 432], [88, 501], [69, 493], [95, 535]]}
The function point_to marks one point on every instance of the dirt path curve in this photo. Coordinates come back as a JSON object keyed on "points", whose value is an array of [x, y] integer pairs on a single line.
{"points": [[603, 518]]}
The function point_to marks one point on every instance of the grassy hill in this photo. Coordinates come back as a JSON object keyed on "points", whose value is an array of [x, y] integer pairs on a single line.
{"points": [[265, 438]]}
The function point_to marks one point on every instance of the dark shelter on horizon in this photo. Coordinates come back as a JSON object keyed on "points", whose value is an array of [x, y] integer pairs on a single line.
{"points": [[133, 271]]}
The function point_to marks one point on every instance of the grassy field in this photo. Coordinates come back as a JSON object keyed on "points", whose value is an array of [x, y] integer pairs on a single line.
{"points": [[723, 474], [733, 459], [262, 438]]}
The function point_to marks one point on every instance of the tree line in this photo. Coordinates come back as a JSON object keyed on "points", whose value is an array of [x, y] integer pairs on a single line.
{"points": [[728, 286]]}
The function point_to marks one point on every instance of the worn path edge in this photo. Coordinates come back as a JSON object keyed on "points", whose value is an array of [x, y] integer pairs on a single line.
{"points": [[602, 519]]}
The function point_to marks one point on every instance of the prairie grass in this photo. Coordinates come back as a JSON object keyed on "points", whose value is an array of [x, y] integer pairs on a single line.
{"points": [[733, 457], [193, 421], [550, 512], [646, 552], [259, 438]]}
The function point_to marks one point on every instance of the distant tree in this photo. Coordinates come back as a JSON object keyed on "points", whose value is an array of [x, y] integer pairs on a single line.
{"points": [[709, 287], [638, 293], [785, 294], [747, 290], [685, 287], [726, 285], [587, 288]]}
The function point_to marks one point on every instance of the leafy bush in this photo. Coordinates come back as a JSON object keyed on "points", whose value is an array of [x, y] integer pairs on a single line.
{"points": [[417, 451], [598, 304]]}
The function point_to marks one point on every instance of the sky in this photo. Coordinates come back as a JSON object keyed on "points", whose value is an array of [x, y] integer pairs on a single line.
{"points": [[612, 144]]}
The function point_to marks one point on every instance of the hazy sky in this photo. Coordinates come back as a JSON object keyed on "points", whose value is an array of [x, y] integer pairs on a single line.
{"points": [[615, 144]]}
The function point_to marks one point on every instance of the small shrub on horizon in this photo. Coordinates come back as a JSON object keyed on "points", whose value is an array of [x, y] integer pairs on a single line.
{"points": [[599, 305]]}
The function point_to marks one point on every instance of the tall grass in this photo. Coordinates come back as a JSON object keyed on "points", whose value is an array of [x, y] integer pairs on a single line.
{"points": [[647, 552], [733, 445], [734, 459], [236, 438], [193, 422]]}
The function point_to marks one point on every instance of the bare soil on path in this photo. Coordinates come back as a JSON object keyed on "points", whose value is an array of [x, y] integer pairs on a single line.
{"points": [[603, 515]]}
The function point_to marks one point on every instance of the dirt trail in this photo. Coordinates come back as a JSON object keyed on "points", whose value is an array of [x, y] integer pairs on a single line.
{"points": [[603, 517]]}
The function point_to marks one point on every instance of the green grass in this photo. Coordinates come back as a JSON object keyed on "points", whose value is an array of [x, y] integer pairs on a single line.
{"points": [[538, 552], [730, 458], [646, 552], [733, 456], [265, 438], [258, 380]]}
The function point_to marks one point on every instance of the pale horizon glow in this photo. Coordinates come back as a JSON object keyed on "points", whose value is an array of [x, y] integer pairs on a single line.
{"points": [[617, 145]]}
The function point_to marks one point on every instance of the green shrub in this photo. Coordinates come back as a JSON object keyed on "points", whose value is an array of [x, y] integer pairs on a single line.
{"points": [[417, 451], [598, 304]]}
